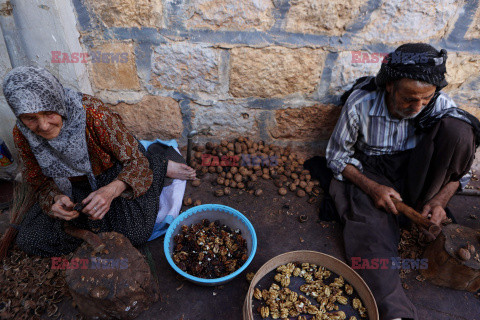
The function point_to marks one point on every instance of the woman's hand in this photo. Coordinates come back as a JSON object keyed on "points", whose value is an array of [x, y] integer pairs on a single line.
{"points": [[98, 202], [63, 208]]}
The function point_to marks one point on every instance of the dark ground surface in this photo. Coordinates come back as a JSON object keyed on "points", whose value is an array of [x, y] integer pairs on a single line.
{"points": [[275, 219]]}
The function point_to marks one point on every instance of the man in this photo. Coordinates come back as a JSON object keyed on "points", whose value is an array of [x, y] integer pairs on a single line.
{"points": [[397, 137]]}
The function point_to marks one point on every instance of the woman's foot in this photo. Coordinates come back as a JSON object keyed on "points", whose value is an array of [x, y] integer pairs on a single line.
{"points": [[180, 171]]}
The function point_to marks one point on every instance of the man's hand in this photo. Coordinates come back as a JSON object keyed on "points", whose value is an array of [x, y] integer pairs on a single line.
{"points": [[380, 194], [63, 208], [382, 197], [98, 202], [434, 212]]}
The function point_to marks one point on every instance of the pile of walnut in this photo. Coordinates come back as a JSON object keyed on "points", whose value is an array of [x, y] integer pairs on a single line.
{"points": [[30, 289], [241, 162], [284, 303], [209, 250]]}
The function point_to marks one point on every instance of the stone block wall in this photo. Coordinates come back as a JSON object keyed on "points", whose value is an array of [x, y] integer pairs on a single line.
{"points": [[268, 69]]}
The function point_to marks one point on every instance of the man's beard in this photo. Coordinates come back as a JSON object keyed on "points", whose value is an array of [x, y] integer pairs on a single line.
{"points": [[401, 113], [406, 116]]}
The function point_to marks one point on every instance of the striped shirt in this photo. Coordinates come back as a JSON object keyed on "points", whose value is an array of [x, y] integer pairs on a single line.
{"points": [[366, 125]]}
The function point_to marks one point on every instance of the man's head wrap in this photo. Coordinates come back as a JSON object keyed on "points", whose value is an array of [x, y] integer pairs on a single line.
{"points": [[417, 61]]}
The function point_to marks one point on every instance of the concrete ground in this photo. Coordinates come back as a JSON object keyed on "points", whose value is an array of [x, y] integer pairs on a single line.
{"points": [[278, 229]]}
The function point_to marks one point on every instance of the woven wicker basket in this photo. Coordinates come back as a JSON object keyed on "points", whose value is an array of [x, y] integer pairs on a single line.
{"points": [[318, 258]]}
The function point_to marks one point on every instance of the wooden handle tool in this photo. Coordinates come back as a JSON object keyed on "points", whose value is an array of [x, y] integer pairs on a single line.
{"points": [[416, 217]]}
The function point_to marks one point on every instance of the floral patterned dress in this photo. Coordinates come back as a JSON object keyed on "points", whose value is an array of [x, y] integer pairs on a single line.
{"points": [[114, 154]]}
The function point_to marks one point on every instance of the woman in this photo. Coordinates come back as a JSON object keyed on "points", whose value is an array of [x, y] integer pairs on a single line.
{"points": [[75, 150]]}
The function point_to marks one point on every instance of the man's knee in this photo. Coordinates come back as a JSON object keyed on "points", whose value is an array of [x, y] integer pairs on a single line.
{"points": [[456, 130]]}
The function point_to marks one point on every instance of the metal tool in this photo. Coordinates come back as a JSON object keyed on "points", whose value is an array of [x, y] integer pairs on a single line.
{"points": [[79, 207], [190, 135]]}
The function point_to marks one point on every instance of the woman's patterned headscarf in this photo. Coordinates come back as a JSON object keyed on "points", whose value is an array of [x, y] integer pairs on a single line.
{"points": [[32, 90]]}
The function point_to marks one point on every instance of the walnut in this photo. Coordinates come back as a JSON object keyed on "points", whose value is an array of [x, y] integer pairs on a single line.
{"points": [[311, 309], [293, 296], [274, 286], [296, 272], [196, 183], [227, 191], [285, 282], [301, 193], [282, 191], [257, 294], [464, 254], [356, 303], [363, 312], [289, 268], [238, 177], [264, 312], [187, 201], [337, 315], [265, 294], [348, 289], [275, 314], [343, 300]]}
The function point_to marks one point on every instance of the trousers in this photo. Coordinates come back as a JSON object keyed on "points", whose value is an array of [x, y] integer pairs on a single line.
{"points": [[445, 153]]}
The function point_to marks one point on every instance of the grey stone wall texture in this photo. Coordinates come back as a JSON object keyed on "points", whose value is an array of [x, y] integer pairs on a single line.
{"points": [[272, 70]]}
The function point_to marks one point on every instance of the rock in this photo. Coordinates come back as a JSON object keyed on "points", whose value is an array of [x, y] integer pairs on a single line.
{"points": [[197, 203], [225, 119], [258, 192], [305, 124], [114, 73], [474, 31], [152, 118], [282, 191], [397, 20], [107, 288], [274, 71], [128, 13], [301, 193], [351, 65], [186, 67], [219, 192], [463, 71], [240, 15], [322, 16]]}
